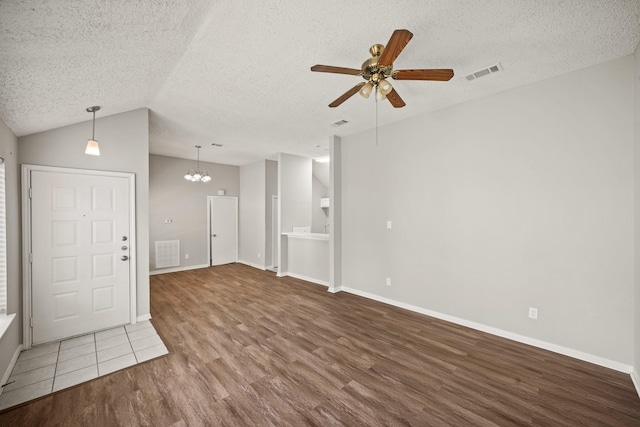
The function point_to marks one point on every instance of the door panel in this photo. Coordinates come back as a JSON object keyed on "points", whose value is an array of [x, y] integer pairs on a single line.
{"points": [[80, 283], [224, 230]]}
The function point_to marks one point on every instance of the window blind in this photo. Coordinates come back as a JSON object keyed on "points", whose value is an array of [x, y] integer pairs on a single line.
{"points": [[3, 243]]}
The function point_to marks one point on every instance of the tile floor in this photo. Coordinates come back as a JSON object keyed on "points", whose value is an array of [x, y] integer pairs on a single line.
{"points": [[51, 367]]}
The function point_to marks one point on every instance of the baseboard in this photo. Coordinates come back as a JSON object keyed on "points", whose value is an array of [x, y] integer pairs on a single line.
{"points": [[335, 290], [143, 318], [177, 269], [12, 365], [635, 377], [597, 360], [250, 264], [307, 279]]}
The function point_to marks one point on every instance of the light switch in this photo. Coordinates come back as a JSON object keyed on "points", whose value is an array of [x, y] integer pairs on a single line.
{"points": [[389, 224]]}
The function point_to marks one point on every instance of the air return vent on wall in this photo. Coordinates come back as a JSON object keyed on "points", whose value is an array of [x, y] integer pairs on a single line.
{"points": [[339, 123], [167, 253], [484, 72]]}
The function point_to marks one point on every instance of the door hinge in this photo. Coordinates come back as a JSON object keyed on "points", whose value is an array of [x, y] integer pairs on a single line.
{"points": [[30, 256], [32, 322]]}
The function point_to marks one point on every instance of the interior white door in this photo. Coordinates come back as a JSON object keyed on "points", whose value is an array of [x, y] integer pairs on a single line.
{"points": [[224, 230], [80, 247]]}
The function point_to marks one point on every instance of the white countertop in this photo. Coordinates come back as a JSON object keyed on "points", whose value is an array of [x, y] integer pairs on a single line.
{"points": [[310, 236]]}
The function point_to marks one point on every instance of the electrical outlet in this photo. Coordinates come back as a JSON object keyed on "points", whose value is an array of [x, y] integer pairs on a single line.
{"points": [[533, 313], [259, 255], [389, 225], [186, 256], [388, 282]]}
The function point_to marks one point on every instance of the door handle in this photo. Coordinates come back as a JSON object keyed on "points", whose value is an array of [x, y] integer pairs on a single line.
{"points": [[124, 258]]}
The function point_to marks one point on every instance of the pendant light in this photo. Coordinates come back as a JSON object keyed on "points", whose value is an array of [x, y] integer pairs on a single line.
{"points": [[197, 175], [92, 145]]}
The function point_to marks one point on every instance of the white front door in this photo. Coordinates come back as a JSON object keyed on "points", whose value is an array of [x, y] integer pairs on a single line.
{"points": [[80, 246], [224, 230]]}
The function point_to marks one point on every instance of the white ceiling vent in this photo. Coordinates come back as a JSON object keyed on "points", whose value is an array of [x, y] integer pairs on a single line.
{"points": [[484, 72], [216, 145], [339, 123]]}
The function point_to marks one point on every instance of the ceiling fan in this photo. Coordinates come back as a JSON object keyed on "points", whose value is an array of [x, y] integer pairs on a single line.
{"points": [[379, 67]]}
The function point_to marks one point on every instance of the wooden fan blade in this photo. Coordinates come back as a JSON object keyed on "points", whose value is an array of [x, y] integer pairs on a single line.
{"points": [[397, 42], [348, 94], [395, 99], [337, 70], [441, 75]]}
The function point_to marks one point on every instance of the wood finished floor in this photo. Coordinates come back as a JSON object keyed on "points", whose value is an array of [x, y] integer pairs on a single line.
{"points": [[249, 349]]}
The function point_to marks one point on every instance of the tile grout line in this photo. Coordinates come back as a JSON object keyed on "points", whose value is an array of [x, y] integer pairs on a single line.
{"points": [[132, 350], [55, 371], [95, 346]]}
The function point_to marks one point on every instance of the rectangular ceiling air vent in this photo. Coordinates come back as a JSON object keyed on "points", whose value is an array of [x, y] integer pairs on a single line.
{"points": [[216, 145], [339, 123], [484, 72]]}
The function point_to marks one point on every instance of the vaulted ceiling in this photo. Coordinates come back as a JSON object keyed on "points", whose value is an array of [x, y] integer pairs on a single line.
{"points": [[236, 73]]}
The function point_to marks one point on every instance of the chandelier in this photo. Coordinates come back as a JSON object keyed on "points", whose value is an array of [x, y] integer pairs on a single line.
{"points": [[197, 175]]}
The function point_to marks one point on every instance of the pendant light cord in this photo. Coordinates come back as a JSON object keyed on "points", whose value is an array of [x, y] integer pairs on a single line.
{"points": [[93, 132]]}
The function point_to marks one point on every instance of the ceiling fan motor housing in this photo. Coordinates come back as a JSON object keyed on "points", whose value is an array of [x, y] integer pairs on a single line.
{"points": [[371, 70]]}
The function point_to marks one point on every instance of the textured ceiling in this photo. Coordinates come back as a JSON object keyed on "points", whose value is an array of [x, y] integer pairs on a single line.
{"points": [[237, 73]]}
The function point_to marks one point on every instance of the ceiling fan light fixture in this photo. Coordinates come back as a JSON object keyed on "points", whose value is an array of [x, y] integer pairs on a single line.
{"points": [[385, 87], [366, 90], [379, 67]]}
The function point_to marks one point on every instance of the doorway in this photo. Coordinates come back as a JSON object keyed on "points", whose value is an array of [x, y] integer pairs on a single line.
{"points": [[223, 229], [79, 240]]}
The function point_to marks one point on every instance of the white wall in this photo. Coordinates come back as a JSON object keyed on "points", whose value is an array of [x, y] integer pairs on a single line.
{"points": [[13, 336], [636, 113], [521, 199], [294, 190], [319, 216], [335, 214], [124, 147], [252, 214], [271, 190], [185, 204]]}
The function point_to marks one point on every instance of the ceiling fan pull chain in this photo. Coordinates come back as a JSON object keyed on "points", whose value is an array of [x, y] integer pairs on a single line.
{"points": [[376, 115]]}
